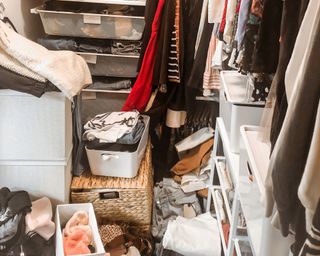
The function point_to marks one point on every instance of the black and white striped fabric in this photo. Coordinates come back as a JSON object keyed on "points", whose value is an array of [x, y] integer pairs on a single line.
{"points": [[173, 63], [312, 244]]}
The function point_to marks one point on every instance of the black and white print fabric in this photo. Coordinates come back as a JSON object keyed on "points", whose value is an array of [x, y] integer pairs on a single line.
{"points": [[109, 127]]}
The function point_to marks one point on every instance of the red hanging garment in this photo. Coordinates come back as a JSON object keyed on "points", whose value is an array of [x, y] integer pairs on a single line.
{"points": [[141, 91]]}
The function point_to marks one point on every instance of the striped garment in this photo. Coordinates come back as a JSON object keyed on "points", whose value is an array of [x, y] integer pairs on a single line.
{"points": [[312, 243], [173, 63], [211, 76]]}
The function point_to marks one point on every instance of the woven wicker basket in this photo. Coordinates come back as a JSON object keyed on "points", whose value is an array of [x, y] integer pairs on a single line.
{"points": [[118, 199]]}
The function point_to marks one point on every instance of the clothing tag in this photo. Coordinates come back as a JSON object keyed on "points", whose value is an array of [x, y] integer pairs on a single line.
{"points": [[91, 19], [91, 59], [89, 95]]}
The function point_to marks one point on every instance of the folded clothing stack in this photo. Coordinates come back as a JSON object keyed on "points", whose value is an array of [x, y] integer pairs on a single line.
{"points": [[100, 46], [110, 83], [26, 62], [77, 235], [116, 131]]}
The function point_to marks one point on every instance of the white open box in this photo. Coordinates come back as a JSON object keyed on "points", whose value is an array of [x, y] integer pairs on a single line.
{"points": [[119, 164], [235, 109], [64, 213]]}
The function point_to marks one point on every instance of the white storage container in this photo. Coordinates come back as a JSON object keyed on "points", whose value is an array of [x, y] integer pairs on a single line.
{"points": [[64, 213], [39, 178], [91, 25], [119, 164], [111, 65], [34, 128], [235, 109], [254, 159]]}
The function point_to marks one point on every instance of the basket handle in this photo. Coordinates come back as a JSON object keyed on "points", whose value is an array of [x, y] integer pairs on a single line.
{"points": [[107, 157], [109, 195]]}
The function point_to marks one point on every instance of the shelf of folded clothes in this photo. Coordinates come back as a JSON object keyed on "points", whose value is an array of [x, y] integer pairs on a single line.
{"points": [[112, 58], [92, 20], [124, 2]]}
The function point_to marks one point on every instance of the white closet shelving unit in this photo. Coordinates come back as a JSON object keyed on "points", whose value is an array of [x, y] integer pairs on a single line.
{"points": [[231, 160], [247, 163]]}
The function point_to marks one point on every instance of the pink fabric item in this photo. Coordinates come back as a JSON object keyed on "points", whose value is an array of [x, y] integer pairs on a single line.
{"points": [[39, 219], [140, 93], [78, 218], [77, 243]]}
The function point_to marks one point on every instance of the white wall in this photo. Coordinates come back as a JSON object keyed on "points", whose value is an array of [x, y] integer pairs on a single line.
{"points": [[26, 23]]}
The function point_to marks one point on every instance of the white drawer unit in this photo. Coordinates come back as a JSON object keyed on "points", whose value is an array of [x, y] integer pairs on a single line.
{"points": [[235, 109], [111, 65], [90, 25], [34, 128], [39, 178]]}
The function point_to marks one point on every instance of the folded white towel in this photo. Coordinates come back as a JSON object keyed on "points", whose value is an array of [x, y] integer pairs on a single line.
{"points": [[66, 70]]}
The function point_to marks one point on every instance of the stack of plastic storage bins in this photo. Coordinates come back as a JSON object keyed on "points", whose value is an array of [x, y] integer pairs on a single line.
{"points": [[36, 144], [104, 25]]}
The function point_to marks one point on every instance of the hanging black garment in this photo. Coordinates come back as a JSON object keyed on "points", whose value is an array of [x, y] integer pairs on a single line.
{"points": [[265, 58], [160, 75], [196, 76], [293, 13], [79, 156], [150, 11], [190, 14], [249, 42]]}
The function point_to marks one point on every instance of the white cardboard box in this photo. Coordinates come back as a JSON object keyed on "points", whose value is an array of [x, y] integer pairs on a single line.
{"points": [[64, 213], [235, 109], [34, 128], [119, 164]]}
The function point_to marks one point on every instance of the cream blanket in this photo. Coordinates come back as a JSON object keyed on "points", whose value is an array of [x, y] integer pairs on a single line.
{"points": [[66, 70]]}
